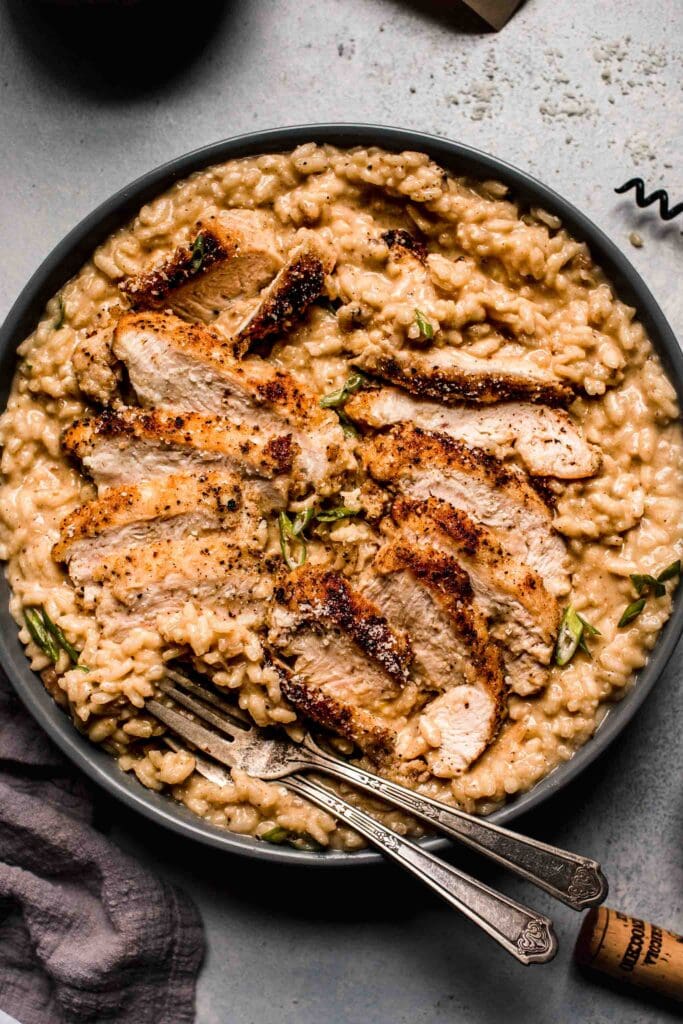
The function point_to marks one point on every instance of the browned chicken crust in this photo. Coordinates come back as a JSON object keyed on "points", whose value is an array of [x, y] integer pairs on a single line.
{"points": [[475, 543], [450, 586], [217, 496], [324, 596], [545, 439], [152, 290], [522, 615], [462, 377], [403, 447], [296, 287], [186, 431], [347, 720], [267, 385], [231, 256]]}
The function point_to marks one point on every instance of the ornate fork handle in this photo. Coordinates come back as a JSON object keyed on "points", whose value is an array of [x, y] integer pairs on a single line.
{"points": [[575, 880], [528, 936]]}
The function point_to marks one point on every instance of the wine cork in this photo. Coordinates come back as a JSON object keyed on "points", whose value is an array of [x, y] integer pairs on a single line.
{"points": [[633, 951]]}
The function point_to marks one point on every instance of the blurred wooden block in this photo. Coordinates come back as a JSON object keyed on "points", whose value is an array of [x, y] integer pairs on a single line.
{"points": [[495, 12]]}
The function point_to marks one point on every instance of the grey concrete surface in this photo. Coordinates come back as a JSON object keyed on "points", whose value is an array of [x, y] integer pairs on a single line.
{"points": [[583, 95]]}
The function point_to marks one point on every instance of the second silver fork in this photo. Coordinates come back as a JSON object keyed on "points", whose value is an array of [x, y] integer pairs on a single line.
{"points": [[524, 933], [571, 878]]}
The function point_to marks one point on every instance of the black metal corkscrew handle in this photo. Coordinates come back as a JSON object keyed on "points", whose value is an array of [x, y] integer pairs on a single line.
{"points": [[666, 212]]}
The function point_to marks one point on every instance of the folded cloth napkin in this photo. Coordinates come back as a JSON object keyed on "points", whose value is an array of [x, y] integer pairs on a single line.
{"points": [[86, 933]]}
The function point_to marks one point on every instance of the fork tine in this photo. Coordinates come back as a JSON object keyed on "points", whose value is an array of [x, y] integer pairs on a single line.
{"points": [[208, 742], [185, 682], [198, 707], [212, 772]]}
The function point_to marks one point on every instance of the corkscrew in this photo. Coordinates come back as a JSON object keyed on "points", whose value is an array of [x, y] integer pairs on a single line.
{"points": [[666, 212]]}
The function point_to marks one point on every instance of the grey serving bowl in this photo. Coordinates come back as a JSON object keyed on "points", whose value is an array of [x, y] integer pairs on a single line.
{"points": [[67, 258]]}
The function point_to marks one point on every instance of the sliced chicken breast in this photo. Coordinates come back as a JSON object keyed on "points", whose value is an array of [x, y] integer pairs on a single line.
{"points": [[98, 374], [354, 723], [451, 375], [350, 669], [233, 255], [454, 730], [427, 593], [132, 586], [546, 440], [122, 447], [184, 366], [521, 613], [164, 508], [297, 285], [421, 464]]}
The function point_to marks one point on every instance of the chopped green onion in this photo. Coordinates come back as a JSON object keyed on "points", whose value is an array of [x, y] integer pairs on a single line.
{"points": [[301, 521], [61, 312], [631, 612], [331, 515], [287, 534], [40, 635], [50, 637], [58, 634], [568, 637], [277, 835], [424, 326], [299, 840], [588, 628], [572, 636], [347, 426], [643, 583], [670, 572], [197, 250], [338, 398]]}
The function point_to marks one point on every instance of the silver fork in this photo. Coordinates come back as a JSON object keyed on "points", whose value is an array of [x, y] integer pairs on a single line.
{"points": [[524, 933], [574, 880]]}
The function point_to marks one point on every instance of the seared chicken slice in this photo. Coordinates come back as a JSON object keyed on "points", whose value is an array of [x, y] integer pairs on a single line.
{"points": [[351, 669], [428, 593], [185, 366], [546, 440], [522, 615], [339, 716], [421, 465], [121, 447], [132, 586], [234, 255], [164, 508], [298, 284], [450, 375], [97, 373]]}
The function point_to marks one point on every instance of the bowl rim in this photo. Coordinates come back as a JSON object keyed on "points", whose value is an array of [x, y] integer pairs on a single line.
{"points": [[69, 255]]}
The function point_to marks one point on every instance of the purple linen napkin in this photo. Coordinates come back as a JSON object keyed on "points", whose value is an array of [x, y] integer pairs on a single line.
{"points": [[86, 933]]}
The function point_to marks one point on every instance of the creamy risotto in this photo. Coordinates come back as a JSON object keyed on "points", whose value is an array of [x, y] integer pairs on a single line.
{"points": [[414, 262]]}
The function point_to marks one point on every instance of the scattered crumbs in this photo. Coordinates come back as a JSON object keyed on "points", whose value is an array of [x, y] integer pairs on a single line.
{"points": [[629, 66], [640, 148], [636, 240], [347, 49]]}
